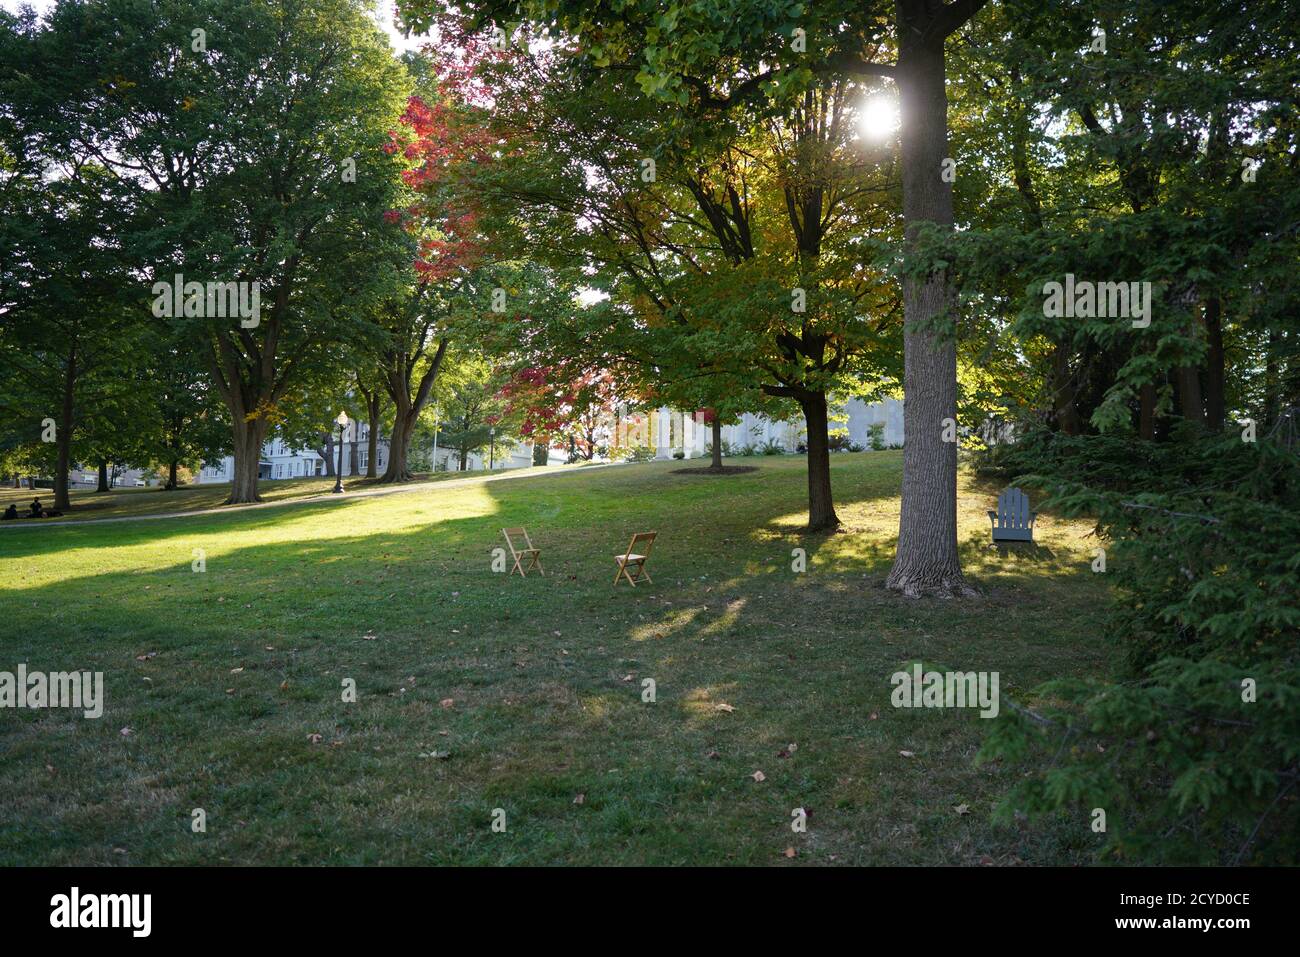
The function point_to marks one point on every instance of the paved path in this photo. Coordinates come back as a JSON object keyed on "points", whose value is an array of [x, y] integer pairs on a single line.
{"points": [[511, 475]]}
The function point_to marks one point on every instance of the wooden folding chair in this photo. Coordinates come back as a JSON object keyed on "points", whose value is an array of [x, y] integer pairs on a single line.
{"points": [[631, 559], [534, 555]]}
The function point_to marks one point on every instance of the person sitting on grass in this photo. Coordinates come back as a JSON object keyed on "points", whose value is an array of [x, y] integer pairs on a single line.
{"points": [[34, 510], [11, 512]]}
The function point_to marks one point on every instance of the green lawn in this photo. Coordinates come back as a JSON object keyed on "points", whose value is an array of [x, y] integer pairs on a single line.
{"points": [[544, 678], [89, 504]]}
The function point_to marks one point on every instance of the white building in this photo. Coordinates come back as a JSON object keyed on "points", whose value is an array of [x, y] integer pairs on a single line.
{"points": [[670, 431], [281, 461]]}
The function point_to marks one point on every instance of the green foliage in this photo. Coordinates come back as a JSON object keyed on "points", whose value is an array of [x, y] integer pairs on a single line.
{"points": [[1194, 751]]}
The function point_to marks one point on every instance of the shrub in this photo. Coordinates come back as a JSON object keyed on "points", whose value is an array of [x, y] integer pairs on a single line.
{"points": [[771, 447], [639, 453], [877, 433], [1193, 748]]}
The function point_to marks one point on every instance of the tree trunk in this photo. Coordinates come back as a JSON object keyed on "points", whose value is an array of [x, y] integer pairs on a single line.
{"points": [[63, 439], [372, 450], [354, 454], [326, 452], [1189, 394], [248, 436], [1272, 379], [172, 482], [821, 507], [102, 486], [1147, 411], [717, 444], [926, 559], [541, 452], [1214, 377], [464, 459], [399, 444], [1067, 413]]}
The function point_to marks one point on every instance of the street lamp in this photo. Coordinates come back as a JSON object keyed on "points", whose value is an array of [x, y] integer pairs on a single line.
{"points": [[492, 449], [342, 421]]}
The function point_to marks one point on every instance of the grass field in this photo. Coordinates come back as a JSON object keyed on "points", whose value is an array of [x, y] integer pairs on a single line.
{"points": [[88, 504], [478, 691]]}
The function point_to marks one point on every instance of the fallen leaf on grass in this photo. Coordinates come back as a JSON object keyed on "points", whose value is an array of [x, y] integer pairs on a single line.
{"points": [[790, 852], [759, 776], [447, 702], [580, 799], [235, 671], [126, 732], [314, 738], [962, 808], [908, 754], [723, 706], [146, 656]]}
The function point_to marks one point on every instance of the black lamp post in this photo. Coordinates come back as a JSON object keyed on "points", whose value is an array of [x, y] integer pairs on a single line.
{"points": [[492, 447], [342, 420]]}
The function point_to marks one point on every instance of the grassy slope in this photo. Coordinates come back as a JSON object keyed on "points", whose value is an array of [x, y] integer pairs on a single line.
{"points": [[539, 673]]}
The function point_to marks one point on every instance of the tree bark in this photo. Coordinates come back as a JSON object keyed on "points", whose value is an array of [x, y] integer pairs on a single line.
{"points": [[541, 452], [172, 481], [372, 413], [63, 439], [717, 443], [1147, 411], [1214, 365], [102, 485], [821, 507], [1063, 393], [249, 436], [407, 408], [926, 560], [464, 459], [399, 445]]}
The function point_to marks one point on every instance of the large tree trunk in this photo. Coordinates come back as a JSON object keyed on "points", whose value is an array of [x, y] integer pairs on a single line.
{"points": [[102, 485], [821, 507], [717, 444], [926, 559], [1189, 394], [399, 446], [464, 459], [63, 439], [172, 482], [248, 436], [541, 452], [1214, 377]]}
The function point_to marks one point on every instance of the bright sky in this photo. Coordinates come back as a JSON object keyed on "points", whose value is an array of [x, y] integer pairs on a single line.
{"points": [[383, 14]]}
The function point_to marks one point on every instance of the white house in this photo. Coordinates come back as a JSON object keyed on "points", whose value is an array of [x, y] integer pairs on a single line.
{"points": [[669, 430], [281, 461]]}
